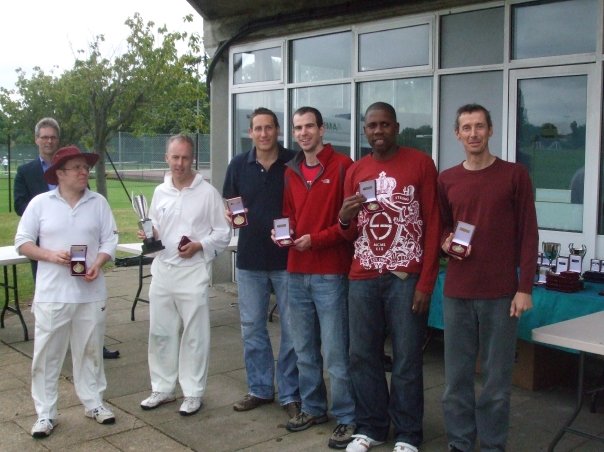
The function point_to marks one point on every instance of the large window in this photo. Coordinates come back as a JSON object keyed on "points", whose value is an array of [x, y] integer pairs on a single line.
{"points": [[550, 141], [257, 66], [412, 100], [536, 65], [485, 88], [375, 48], [481, 31], [333, 102], [244, 104], [320, 58], [544, 29]]}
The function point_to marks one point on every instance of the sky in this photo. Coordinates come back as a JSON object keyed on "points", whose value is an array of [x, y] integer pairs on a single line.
{"points": [[48, 34]]}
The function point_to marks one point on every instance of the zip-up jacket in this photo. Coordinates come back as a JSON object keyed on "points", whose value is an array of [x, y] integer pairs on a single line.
{"points": [[314, 210]]}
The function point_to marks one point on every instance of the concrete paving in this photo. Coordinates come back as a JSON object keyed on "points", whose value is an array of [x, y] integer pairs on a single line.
{"points": [[535, 415]]}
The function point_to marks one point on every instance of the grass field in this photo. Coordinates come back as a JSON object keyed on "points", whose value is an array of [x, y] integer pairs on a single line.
{"points": [[126, 219]]}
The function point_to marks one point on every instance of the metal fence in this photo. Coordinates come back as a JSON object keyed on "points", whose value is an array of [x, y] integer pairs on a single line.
{"points": [[126, 150], [135, 159]]}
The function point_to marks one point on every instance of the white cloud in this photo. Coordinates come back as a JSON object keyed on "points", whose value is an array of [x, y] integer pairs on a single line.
{"points": [[47, 34]]}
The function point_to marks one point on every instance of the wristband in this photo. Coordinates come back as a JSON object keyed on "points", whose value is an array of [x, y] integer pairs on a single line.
{"points": [[342, 224]]}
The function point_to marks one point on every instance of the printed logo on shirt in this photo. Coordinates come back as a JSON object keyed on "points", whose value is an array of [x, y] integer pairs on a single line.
{"points": [[390, 239]]}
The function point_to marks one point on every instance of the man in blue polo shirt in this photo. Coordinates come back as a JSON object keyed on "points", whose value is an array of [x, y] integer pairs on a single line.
{"points": [[257, 177]]}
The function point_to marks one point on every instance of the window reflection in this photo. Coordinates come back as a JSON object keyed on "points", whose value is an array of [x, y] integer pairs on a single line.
{"points": [[550, 141], [318, 58], [257, 66], [554, 28], [244, 105], [412, 100], [334, 104]]}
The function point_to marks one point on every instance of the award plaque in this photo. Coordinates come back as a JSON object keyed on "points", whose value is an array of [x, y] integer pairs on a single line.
{"points": [[562, 264], [238, 216], [78, 260], [368, 190], [282, 234], [576, 258], [595, 265], [150, 243], [461, 239]]}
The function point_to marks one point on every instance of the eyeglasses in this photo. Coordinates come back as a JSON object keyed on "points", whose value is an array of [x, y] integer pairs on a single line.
{"points": [[78, 168], [47, 138]]}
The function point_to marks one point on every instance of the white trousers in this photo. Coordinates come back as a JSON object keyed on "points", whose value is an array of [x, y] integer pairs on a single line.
{"points": [[57, 325], [179, 301]]}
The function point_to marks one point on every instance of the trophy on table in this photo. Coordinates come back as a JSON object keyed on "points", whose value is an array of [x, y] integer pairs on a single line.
{"points": [[150, 243], [576, 257], [551, 250]]}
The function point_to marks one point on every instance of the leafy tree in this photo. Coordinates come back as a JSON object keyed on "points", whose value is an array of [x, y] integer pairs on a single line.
{"points": [[149, 88]]}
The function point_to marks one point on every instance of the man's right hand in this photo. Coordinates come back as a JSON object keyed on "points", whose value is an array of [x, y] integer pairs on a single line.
{"points": [[58, 257], [351, 207], [447, 243]]}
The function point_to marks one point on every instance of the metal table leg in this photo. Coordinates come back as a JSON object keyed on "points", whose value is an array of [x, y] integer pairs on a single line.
{"points": [[141, 277], [567, 425], [16, 309]]}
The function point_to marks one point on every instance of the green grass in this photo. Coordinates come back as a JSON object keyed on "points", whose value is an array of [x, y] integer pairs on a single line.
{"points": [[126, 219]]}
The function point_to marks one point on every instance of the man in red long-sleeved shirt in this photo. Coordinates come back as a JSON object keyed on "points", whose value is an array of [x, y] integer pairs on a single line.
{"points": [[317, 266], [392, 275], [487, 289]]}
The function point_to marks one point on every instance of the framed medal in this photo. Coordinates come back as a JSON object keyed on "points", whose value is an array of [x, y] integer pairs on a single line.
{"points": [[238, 215]]}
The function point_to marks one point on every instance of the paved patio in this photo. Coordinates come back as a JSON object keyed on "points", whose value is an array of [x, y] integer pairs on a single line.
{"points": [[535, 415]]}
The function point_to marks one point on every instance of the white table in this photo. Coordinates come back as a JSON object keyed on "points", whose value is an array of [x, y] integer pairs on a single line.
{"points": [[136, 248], [9, 257], [585, 334]]}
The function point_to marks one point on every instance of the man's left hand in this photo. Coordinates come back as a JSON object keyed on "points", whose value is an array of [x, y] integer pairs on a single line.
{"points": [[421, 302], [92, 273], [188, 251], [302, 243], [521, 303]]}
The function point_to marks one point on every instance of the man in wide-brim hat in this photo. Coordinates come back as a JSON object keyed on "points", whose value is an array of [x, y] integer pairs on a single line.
{"points": [[70, 295]]}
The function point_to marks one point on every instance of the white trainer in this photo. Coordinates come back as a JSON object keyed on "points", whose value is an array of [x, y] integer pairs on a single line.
{"points": [[156, 399], [101, 414], [404, 447], [362, 443], [190, 405], [43, 428]]}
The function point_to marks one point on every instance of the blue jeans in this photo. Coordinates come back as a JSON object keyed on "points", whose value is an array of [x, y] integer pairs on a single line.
{"points": [[470, 326], [378, 305], [319, 317], [254, 294]]}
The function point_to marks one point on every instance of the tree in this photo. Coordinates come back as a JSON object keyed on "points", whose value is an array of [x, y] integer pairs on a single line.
{"points": [[150, 88]]}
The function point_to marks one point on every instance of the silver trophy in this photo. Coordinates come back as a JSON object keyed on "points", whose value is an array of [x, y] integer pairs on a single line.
{"points": [[150, 243], [577, 251], [551, 250], [576, 258]]}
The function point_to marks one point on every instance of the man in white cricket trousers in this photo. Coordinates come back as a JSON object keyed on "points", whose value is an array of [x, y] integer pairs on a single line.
{"points": [[188, 217], [70, 296]]}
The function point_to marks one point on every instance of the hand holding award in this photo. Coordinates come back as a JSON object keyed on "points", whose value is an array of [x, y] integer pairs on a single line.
{"points": [[150, 243]]}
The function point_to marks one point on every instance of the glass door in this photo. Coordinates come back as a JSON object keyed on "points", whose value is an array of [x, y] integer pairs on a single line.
{"points": [[552, 133]]}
